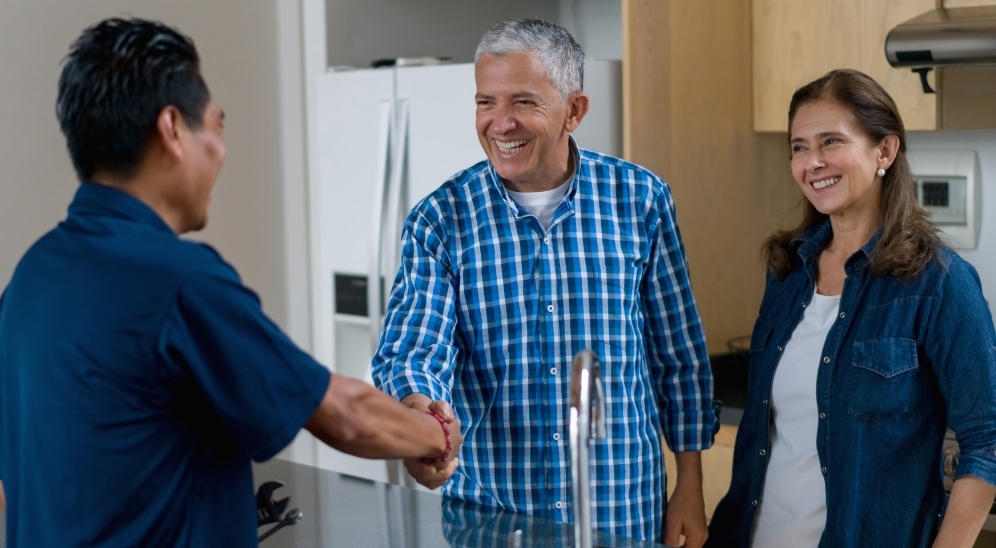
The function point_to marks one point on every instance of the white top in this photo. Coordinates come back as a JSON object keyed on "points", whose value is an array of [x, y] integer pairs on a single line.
{"points": [[541, 204], [793, 508]]}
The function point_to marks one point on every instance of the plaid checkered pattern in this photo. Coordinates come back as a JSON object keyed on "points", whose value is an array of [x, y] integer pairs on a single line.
{"points": [[488, 310]]}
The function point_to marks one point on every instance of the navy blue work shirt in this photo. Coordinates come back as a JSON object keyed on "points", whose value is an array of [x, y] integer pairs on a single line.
{"points": [[138, 377], [901, 362]]}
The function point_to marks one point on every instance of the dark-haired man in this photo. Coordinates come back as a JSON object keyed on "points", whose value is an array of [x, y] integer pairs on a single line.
{"points": [[138, 376]]}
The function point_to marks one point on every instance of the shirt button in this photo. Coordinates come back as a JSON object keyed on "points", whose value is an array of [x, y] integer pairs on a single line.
{"points": [[823, 469], [556, 436], [804, 305], [546, 240], [753, 502], [550, 308], [780, 348], [842, 314], [826, 359], [558, 504], [553, 370], [763, 452], [823, 415], [764, 401]]}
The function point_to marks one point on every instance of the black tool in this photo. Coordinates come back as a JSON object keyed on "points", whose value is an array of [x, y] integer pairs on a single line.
{"points": [[267, 509], [292, 517]]}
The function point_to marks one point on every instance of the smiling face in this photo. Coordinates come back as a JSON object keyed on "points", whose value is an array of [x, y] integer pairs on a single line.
{"points": [[523, 123], [835, 163]]}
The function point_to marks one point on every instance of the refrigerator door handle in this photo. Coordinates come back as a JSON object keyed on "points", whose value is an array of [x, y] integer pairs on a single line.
{"points": [[396, 189], [390, 253], [384, 168]]}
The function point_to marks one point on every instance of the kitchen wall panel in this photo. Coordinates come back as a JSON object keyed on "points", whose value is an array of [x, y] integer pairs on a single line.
{"points": [[687, 117]]}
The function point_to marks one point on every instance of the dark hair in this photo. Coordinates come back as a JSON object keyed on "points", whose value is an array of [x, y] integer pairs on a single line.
{"points": [[559, 52], [118, 76], [908, 241]]}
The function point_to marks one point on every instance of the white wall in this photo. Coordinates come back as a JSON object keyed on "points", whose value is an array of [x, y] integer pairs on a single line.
{"points": [[361, 31], [982, 258], [596, 25]]}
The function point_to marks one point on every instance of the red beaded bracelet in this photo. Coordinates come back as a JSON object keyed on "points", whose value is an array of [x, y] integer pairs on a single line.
{"points": [[446, 434]]}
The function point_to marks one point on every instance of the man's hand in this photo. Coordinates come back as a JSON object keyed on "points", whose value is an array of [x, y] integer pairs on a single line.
{"points": [[686, 510], [434, 475]]}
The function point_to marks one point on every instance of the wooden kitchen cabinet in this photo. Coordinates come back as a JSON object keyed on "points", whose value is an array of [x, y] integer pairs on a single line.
{"points": [[797, 41], [687, 117]]}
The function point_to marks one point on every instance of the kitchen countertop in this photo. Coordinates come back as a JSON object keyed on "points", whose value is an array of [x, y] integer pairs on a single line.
{"points": [[340, 510], [729, 378]]}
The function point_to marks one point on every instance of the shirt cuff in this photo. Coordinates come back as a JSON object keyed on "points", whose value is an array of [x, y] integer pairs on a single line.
{"points": [[981, 464], [416, 382], [691, 430]]}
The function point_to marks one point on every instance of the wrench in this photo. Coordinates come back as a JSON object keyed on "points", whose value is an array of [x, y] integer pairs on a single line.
{"points": [[292, 517], [267, 509]]}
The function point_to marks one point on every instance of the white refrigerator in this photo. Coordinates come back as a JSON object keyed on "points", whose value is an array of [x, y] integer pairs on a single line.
{"points": [[384, 139]]}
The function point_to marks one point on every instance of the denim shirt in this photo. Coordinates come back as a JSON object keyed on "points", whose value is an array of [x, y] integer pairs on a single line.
{"points": [[901, 362]]}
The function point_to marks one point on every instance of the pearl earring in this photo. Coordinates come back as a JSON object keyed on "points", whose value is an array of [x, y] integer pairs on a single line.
{"points": [[880, 172]]}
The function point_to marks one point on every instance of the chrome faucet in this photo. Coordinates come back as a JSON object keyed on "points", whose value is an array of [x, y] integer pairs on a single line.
{"points": [[587, 423]]}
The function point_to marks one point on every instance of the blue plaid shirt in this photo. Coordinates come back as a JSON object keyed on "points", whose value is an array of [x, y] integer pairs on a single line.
{"points": [[488, 310]]}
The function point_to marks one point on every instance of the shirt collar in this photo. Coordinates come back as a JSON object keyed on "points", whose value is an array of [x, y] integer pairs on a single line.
{"points": [[811, 242], [100, 200]]}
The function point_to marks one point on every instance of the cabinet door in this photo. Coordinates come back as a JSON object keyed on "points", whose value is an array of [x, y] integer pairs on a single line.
{"points": [[797, 41]]}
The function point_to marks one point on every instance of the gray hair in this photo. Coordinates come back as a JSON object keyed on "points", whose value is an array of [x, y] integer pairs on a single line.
{"points": [[556, 48]]}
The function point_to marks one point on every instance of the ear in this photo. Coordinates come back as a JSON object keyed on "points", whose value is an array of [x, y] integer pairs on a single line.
{"points": [[577, 107], [171, 129], [887, 151]]}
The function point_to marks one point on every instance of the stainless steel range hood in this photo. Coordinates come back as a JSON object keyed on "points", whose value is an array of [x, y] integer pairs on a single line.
{"points": [[945, 37]]}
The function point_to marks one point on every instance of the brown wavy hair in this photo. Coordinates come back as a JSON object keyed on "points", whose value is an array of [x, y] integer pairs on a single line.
{"points": [[909, 241]]}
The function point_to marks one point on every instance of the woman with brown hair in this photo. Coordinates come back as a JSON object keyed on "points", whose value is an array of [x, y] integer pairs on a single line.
{"points": [[872, 338]]}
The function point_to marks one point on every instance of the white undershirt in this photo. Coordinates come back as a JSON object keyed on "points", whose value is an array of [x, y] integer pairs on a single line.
{"points": [[793, 509], [541, 204]]}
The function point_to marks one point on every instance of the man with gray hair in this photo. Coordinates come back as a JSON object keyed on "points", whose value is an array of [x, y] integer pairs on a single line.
{"points": [[517, 263]]}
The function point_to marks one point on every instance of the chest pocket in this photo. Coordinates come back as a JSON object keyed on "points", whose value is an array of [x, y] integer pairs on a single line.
{"points": [[882, 375], [616, 301]]}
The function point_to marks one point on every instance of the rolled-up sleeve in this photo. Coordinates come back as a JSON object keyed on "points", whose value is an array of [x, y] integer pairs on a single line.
{"points": [[963, 349], [417, 351], [676, 342]]}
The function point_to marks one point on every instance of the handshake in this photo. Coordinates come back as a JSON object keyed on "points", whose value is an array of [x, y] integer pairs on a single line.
{"points": [[433, 472]]}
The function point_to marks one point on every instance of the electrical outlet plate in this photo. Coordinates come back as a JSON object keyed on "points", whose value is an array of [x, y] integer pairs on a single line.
{"points": [[949, 187]]}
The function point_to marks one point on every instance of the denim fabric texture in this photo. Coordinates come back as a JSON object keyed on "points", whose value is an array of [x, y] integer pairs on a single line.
{"points": [[902, 362], [138, 377]]}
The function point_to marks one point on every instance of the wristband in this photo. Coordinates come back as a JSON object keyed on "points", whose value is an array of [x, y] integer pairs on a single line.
{"points": [[446, 434]]}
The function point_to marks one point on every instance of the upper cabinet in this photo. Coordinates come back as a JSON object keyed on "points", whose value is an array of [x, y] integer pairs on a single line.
{"points": [[797, 41]]}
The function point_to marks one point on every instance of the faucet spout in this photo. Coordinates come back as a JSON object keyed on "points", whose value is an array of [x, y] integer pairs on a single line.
{"points": [[587, 423]]}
